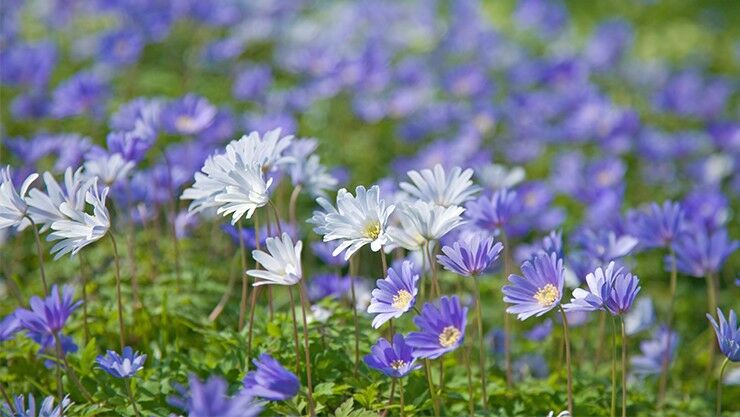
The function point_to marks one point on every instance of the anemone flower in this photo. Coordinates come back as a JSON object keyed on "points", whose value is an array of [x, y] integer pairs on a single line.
{"points": [[125, 365], [422, 223], [13, 205], [434, 186], [211, 398], [441, 329], [281, 262], [728, 337], [394, 295], [271, 380], [394, 360]]}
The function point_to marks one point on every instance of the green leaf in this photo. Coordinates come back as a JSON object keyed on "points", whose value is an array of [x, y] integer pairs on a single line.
{"points": [[87, 357]]}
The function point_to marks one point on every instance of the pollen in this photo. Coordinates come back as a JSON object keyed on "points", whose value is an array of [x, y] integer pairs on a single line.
{"points": [[398, 364], [402, 299], [547, 295], [185, 123], [449, 336], [372, 229]]}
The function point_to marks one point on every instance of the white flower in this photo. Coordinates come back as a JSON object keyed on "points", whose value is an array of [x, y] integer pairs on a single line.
{"points": [[109, 168], [319, 217], [13, 207], [312, 176], [497, 177], [81, 229], [44, 208], [434, 186], [267, 151], [423, 222], [282, 262], [357, 221]]}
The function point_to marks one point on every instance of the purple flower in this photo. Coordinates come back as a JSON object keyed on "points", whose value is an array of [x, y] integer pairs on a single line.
{"points": [[48, 316], [271, 380], [325, 252], [189, 115], [661, 348], [605, 245], [472, 257], [252, 83], [395, 360], [47, 346], [28, 65], [728, 334], [608, 44], [83, 93], [547, 17], [600, 284], [539, 290], [140, 109], [328, 285], [9, 326], [441, 330], [211, 399], [120, 47], [47, 408], [624, 289], [707, 207], [394, 295], [132, 145], [553, 243], [700, 253], [493, 213], [121, 366], [658, 226], [540, 331]]}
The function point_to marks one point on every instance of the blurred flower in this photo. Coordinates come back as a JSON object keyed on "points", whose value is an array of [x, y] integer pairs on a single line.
{"points": [[139, 110], [641, 317], [270, 380], [470, 257], [47, 408], [252, 83], [13, 207], [394, 294], [120, 47], [125, 365], [493, 213], [281, 262], [48, 316], [654, 352], [328, 285], [658, 226], [600, 285], [539, 290], [700, 253], [496, 177], [395, 361], [434, 186], [9, 326], [311, 175], [80, 229], [212, 399], [540, 331], [188, 115], [83, 93], [132, 145], [728, 334], [530, 366], [325, 252], [441, 330], [706, 207], [110, 168], [28, 65], [423, 222]]}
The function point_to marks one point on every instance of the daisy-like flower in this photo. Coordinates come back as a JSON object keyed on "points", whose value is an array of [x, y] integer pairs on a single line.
{"points": [[312, 176], [189, 115], [496, 176], [700, 253], [357, 221], [270, 380], [48, 316], [110, 168], [13, 206], [423, 222], [493, 213], [394, 295], [470, 257], [125, 365], [396, 360], [319, 218], [47, 408], [434, 186], [624, 289], [658, 226], [245, 194], [281, 262], [268, 150], [44, 207], [9, 326], [441, 330], [660, 349], [211, 398], [600, 283], [539, 290], [728, 334], [80, 229]]}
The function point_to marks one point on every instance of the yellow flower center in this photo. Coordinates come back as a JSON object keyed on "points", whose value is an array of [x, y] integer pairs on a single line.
{"points": [[398, 364], [402, 299], [372, 230], [547, 295], [185, 123], [449, 336]]}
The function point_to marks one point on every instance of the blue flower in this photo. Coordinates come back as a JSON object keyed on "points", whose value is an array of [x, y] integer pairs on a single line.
{"points": [[624, 289], [540, 332], [493, 213], [325, 252], [189, 115], [48, 316], [600, 283], [658, 226], [395, 360], [654, 352], [700, 253], [394, 295], [47, 408], [211, 399], [9, 326], [441, 330], [728, 334], [328, 285], [83, 93], [121, 366], [539, 290], [472, 257], [271, 380]]}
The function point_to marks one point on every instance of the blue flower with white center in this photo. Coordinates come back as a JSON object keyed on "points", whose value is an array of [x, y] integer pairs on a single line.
{"points": [[125, 365], [441, 329], [395, 360], [394, 295], [539, 290]]}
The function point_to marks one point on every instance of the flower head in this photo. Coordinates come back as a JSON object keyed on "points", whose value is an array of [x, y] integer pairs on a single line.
{"points": [[600, 284], [110, 168], [48, 316], [125, 365], [357, 221], [655, 352], [658, 226], [271, 380], [539, 290], [210, 398], [470, 257], [728, 334], [493, 213], [433, 186], [328, 285], [47, 408], [79, 228], [423, 222], [44, 208], [394, 295], [396, 360], [282, 262], [441, 330], [624, 289], [700, 253], [9, 326], [189, 115], [13, 206]]}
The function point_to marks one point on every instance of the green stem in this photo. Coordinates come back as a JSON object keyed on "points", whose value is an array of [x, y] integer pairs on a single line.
{"points": [[131, 398], [352, 273], [309, 384], [719, 386], [60, 389], [121, 329], [614, 368], [567, 361], [507, 323], [432, 392], [40, 252], [245, 278], [466, 357], [83, 278], [10, 403], [292, 204], [662, 384], [295, 332], [400, 394], [481, 348], [712, 304], [71, 374], [624, 369]]}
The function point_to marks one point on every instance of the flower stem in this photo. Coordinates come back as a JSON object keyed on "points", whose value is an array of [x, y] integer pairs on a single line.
{"points": [[614, 368], [10, 403], [719, 386], [83, 284], [481, 349], [131, 398], [433, 267], [383, 261], [624, 369], [432, 392], [277, 218], [309, 384], [566, 339], [669, 320], [245, 278], [352, 273], [60, 389], [400, 394], [712, 304], [466, 357], [121, 329], [295, 332], [391, 396], [507, 322], [71, 374], [40, 252], [291, 206]]}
